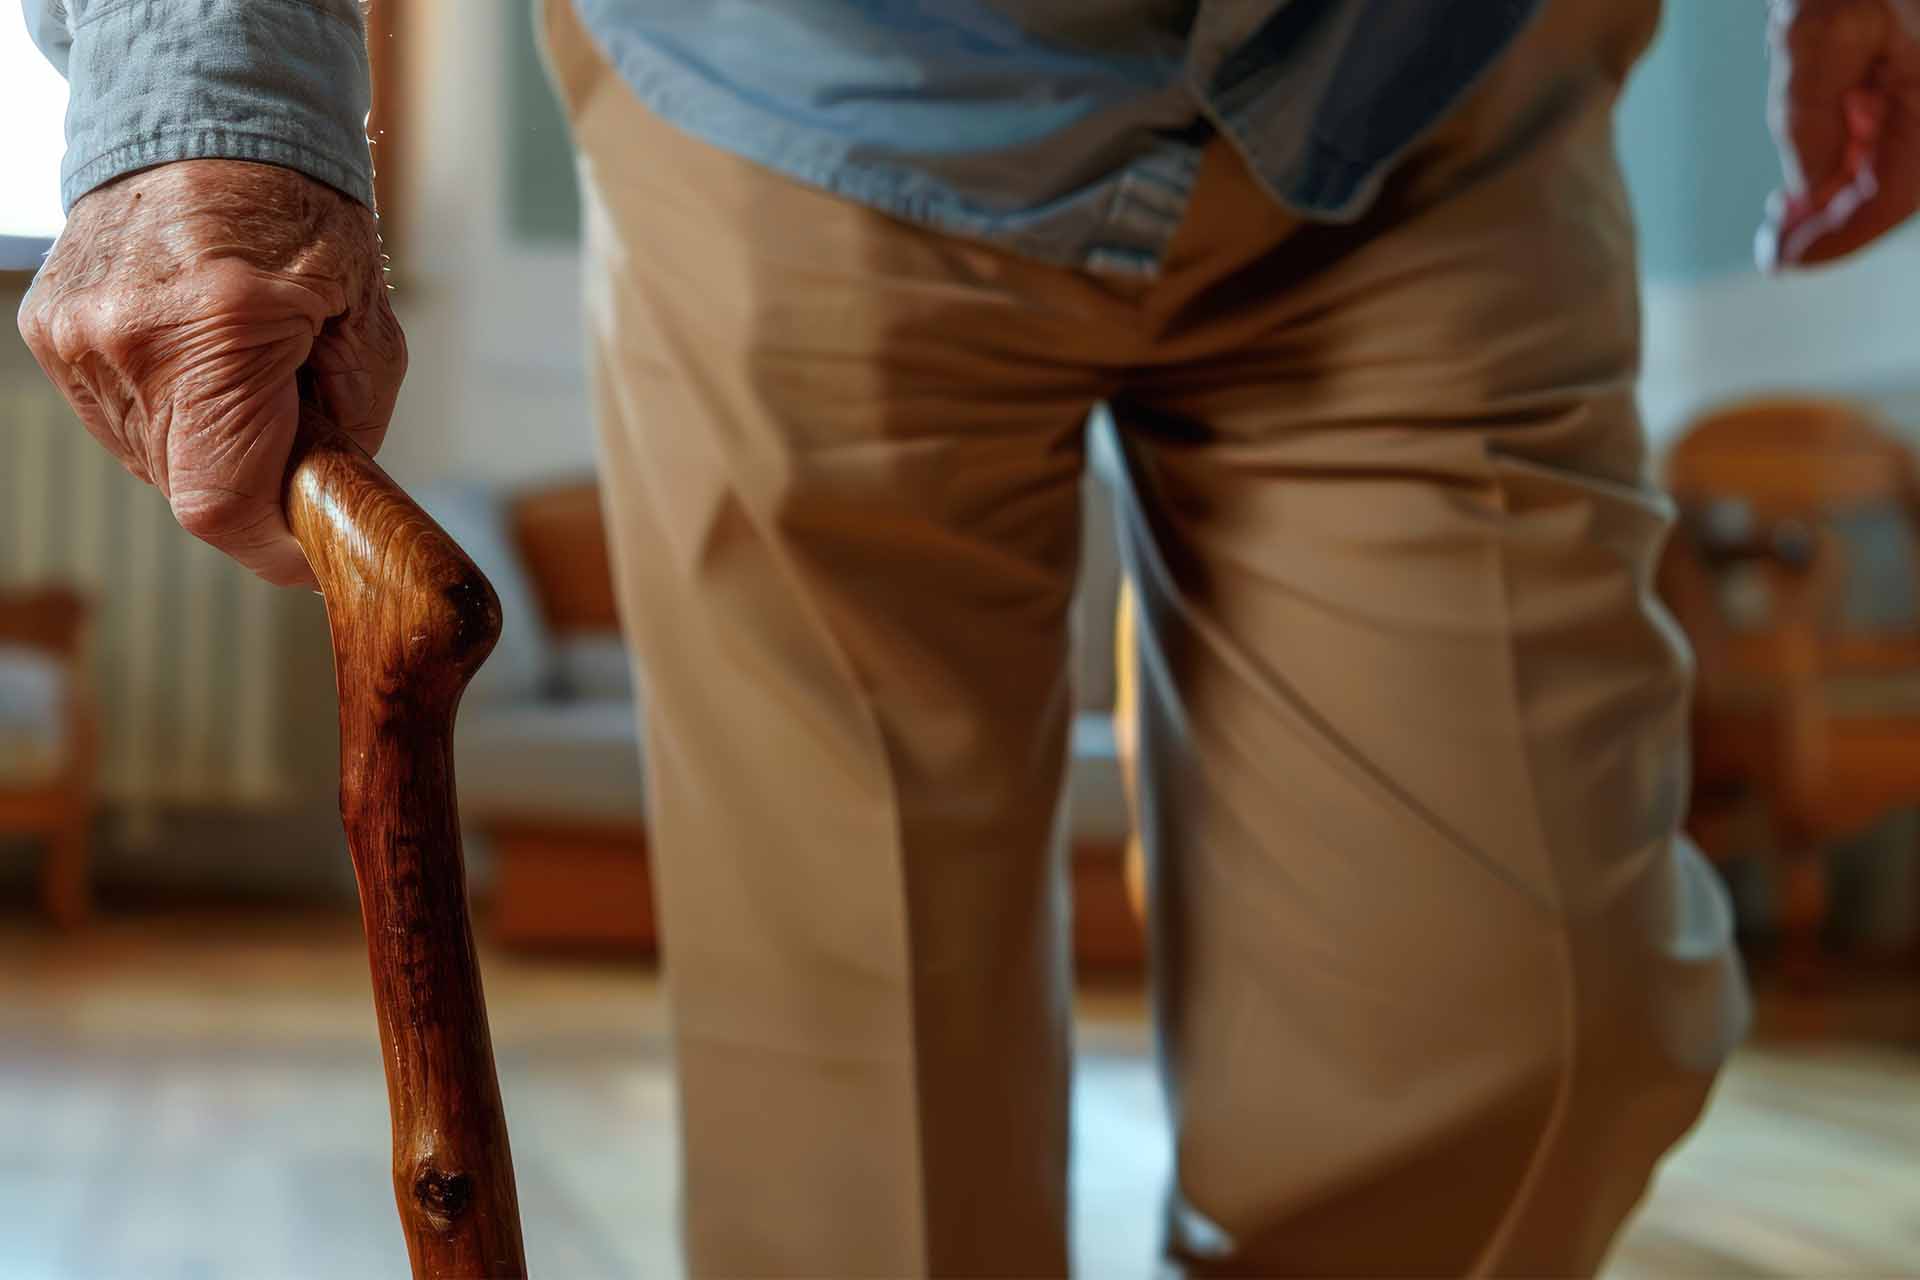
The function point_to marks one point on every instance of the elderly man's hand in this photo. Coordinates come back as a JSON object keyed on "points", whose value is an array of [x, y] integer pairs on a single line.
{"points": [[175, 313], [1845, 110]]}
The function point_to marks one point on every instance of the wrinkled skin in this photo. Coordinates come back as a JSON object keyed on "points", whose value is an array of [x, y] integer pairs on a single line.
{"points": [[177, 308], [1844, 106]]}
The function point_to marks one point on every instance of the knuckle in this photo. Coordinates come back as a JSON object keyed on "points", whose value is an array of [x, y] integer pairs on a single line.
{"points": [[31, 319], [50, 330], [232, 287], [93, 323], [223, 518]]}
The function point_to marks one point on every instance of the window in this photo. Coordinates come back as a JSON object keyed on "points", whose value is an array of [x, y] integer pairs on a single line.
{"points": [[33, 100]]}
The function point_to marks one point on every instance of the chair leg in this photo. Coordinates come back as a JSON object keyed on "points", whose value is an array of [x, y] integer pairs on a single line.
{"points": [[1803, 914], [65, 892]]}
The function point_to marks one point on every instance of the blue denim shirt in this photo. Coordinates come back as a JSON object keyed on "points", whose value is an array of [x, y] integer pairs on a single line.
{"points": [[1067, 130]]}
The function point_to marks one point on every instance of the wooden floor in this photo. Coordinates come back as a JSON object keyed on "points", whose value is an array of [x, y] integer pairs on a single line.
{"points": [[178, 1102]]}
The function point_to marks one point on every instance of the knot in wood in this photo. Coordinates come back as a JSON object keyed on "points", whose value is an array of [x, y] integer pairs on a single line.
{"points": [[444, 1196]]}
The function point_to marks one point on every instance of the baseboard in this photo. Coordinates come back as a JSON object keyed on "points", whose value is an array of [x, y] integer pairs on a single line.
{"points": [[571, 887], [1842, 329], [587, 888]]}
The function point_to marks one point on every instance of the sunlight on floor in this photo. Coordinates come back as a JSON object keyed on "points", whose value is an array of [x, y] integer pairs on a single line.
{"points": [[185, 1099]]}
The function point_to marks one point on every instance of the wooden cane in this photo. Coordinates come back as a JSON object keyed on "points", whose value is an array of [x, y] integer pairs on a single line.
{"points": [[412, 620]]}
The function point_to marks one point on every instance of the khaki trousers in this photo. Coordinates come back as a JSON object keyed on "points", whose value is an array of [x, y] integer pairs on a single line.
{"points": [[1436, 978]]}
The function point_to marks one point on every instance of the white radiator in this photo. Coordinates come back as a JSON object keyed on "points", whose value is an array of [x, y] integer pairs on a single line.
{"points": [[185, 645]]}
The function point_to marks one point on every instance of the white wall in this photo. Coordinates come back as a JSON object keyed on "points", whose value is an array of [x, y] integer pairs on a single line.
{"points": [[1699, 160], [497, 389], [1851, 330]]}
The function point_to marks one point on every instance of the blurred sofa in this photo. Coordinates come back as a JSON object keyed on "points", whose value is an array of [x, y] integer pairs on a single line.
{"points": [[550, 749]]}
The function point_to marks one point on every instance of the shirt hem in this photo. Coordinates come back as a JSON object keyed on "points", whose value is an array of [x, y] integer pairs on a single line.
{"points": [[214, 144], [1104, 247]]}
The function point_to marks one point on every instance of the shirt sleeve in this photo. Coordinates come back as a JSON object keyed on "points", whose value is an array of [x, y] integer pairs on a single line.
{"points": [[153, 81]]}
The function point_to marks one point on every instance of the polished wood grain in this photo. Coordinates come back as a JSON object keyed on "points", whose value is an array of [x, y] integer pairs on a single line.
{"points": [[412, 620]]}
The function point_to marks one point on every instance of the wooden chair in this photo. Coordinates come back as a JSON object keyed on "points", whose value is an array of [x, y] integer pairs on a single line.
{"points": [[570, 882], [55, 805], [1806, 716]]}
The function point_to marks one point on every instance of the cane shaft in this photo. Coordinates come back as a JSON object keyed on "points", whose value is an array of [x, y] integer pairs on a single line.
{"points": [[412, 619]]}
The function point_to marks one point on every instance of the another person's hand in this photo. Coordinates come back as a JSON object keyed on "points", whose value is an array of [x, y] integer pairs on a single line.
{"points": [[1845, 109], [175, 313]]}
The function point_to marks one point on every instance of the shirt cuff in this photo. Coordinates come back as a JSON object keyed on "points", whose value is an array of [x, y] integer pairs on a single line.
{"points": [[280, 81]]}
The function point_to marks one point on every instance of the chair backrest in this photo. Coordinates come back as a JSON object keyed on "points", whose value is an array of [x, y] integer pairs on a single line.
{"points": [[561, 536], [1790, 457], [1799, 539], [51, 619]]}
